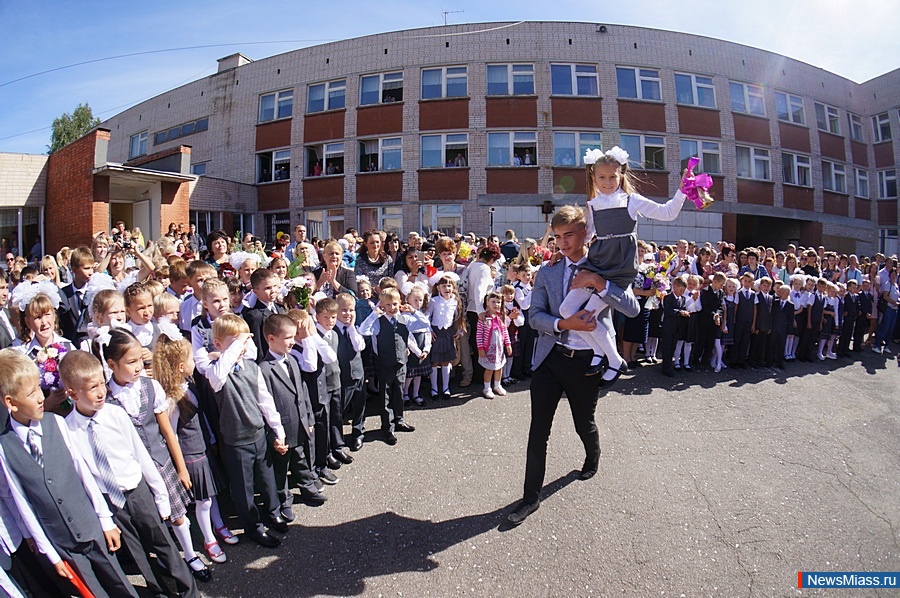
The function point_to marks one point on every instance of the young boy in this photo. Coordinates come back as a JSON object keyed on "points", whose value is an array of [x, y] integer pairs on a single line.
{"points": [[387, 327], [282, 376], [849, 315], [245, 407], [124, 472], [866, 303], [709, 320], [197, 272], [71, 510], [215, 304], [334, 454], [179, 286], [73, 313], [745, 308], [349, 352], [521, 367], [761, 329], [782, 324], [675, 317], [266, 286]]}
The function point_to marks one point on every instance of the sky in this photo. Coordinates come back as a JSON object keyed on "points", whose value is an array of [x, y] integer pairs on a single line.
{"points": [[41, 35]]}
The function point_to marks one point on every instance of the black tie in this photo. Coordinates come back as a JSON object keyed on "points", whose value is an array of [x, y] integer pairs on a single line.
{"points": [[572, 268]]}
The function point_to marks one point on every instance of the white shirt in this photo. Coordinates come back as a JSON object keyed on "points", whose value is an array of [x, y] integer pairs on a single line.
{"points": [[413, 346], [574, 341], [356, 339], [637, 205], [190, 309], [130, 396], [127, 456], [143, 332], [523, 296], [27, 348], [442, 312], [17, 519], [4, 319], [691, 304]]}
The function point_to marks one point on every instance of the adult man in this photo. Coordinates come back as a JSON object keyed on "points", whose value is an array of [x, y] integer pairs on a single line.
{"points": [[560, 362], [299, 237], [510, 247]]}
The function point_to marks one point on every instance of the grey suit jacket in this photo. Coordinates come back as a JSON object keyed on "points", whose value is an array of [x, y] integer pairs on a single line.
{"points": [[546, 298]]}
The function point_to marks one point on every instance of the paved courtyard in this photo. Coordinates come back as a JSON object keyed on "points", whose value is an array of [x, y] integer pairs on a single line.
{"points": [[710, 484]]}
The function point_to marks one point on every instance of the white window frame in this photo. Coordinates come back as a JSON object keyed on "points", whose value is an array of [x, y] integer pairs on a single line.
{"points": [[641, 75], [513, 70], [862, 183], [580, 146], [458, 72], [879, 123], [385, 145], [282, 99], [449, 142], [384, 79], [760, 163], [384, 215], [696, 85], [137, 145], [276, 158], [325, 152], [856, 126], [752, 99], [430, 216], [704, 150], [885, 178], [832, 115], [328, 88], [515, 137], [798, 172], [575, 75], [834, 176], [645, 141], [792, 105]]}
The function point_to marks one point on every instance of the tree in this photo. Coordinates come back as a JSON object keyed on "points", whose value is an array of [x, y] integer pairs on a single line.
{"points": [[69, 127]]}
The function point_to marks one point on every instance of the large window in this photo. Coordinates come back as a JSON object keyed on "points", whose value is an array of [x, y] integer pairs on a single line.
{"points": [[195, 126], [325, 160], [644, 151], [276, 105], [796, 169], [510, 79], [569, 148], [887, 184], [881, 127], [137, 145], [449, 150], [199, 168], [325, 224], [695, 90], [753, 163], [380, 154], [273, 166], [19, 228], [856, 126], [827, 118], [862, 183], [241, 223], [446, 218], [276, 223], [326, 96], [834, 177], [747, 98], [574, 80], [789, 108], [512, 149], [707, 151], [445, 82], [387, 218], [638, 83], [206, 222], [383, 88]]}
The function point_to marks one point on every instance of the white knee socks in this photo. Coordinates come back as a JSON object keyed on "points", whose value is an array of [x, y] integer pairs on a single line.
{"points": [[183, 533], [203, 508]]}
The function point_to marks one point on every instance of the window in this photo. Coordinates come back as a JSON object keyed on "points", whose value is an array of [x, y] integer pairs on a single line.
{"points": [[445, 82], [834, 177], [641, 84], [381, 89], [887, 184], [574, 80], [747, 98], [449, 151], [510, 79], [512, 149], [446, 218], [325, 224], [138, 145], [380, 154], [206, 222], [242, 223], [273, 166], [195, 126], [327, 159], [326, 96], [645, 151], [276, 223], [827, 119], [856, 128], [753, 163], [796, 170], [199, 169], [707, 151], [276, 105], [881, 127], [569, 148], [862, 183], [388, 218], [789, 108], [695, 90]]}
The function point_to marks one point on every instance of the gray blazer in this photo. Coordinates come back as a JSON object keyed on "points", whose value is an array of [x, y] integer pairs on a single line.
{"points": [[545, 301]]}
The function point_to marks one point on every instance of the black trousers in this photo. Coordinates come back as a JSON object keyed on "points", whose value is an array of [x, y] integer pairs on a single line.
{"points": [[667, 349], [556, 375], [742, 342], [298, 461], [860, 330], [846, 336], [706, 336], [779, 341], [390, 390], [336, 419], [34, 574], [247, 468], [322, 435], [354, 400], [472, 324]]}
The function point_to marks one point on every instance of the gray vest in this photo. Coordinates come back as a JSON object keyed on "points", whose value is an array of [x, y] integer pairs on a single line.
{"points": [[240, 419], [350, 360], [332, 370], [190, 436], [392, 341], [146, 425], [55, 492]]}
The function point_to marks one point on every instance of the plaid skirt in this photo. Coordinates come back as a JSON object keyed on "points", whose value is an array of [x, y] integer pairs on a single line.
{"points": [[179, 498]]}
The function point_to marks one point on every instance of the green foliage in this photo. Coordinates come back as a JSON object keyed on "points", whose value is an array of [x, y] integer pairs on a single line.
{"points": [[69, 127]]}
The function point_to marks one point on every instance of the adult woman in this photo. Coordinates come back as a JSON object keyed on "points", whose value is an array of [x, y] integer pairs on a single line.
{"points": [[636, 329], [217, 241], [51, 270], [373, 262], [480, 281], [811, 268], [333, 277], [62, 261], [528, 254], [409, 268], [830, 270], [308, 256], [726, 262], [392, 246], [890, 294], [790, 268], [702, 266], [100, 249]]}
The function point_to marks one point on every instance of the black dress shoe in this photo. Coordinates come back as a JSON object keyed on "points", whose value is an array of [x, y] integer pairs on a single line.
{"points": [[355, 443], [319, 484], [402, 426], [668, 373], [521, 512], [604, 383], [313, 499], [326, 476], [204, 574], [288, 514], [264, 539], [341, 455], [279, 524], [446, 396], [588, 471], [390, 439], [332, 463]]}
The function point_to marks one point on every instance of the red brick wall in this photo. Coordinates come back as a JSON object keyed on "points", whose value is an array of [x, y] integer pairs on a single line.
{"points": [[444, 114], [642, 116], [760, 193], [379, 120], [794, 137], [512, 180], [323, 127], [729, 227], [175, 204], [751, 129], [569, 181], [860, 153], [511, 112], [699, 121], [798, 198], [887, 213], [379, 186], [836, 203], [323, 191], [576, 112], [863, 209], [274, 134], [884, 154], [274, 196], [653, 184], [832, 146], [444, 183]]}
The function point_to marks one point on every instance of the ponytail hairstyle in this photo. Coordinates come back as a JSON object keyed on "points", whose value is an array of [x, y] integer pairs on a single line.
{"points": [[120, 341], [460, 318], [167, 356]]}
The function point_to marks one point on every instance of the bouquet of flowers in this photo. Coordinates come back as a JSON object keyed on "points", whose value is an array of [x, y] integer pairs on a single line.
{"points": [[47, 360], [696, 187], [656, 278], [299, 290]]}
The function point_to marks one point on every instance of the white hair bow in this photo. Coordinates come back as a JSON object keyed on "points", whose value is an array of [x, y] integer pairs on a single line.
{"points": [[26, 291], [239, 258], [592, 156], [170, 330]]}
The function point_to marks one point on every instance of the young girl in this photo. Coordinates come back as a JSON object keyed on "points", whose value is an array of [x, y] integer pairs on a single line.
{"points": [[612, 210], [419, 362], [448, 320], [515, 328], [145, 402], [693, 305], [139, 305], [244, 264], [173, 367], [798, 300], [166, 308], [731, 288], [493, 343], [280, 267], [829, 330]]}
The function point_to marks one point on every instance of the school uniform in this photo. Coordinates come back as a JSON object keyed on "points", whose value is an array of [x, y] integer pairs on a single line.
{"points": [[782, 324], [745, 307], [353, 400], [865, 304], [313, 353], [710, 306], [72, 313], [810, 337], [521, 367], [672, 306], [332, 370], [761, 340], [255, 315], [8, 333], [390, 336], [190, 308], [849, 314]]}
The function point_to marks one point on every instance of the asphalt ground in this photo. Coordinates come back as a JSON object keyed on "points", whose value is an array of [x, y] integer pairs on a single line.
{"points": [[709, 485]]}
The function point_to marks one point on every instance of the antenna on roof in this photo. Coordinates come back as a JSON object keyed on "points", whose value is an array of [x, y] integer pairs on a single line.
{"points": [[450, 12]]}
